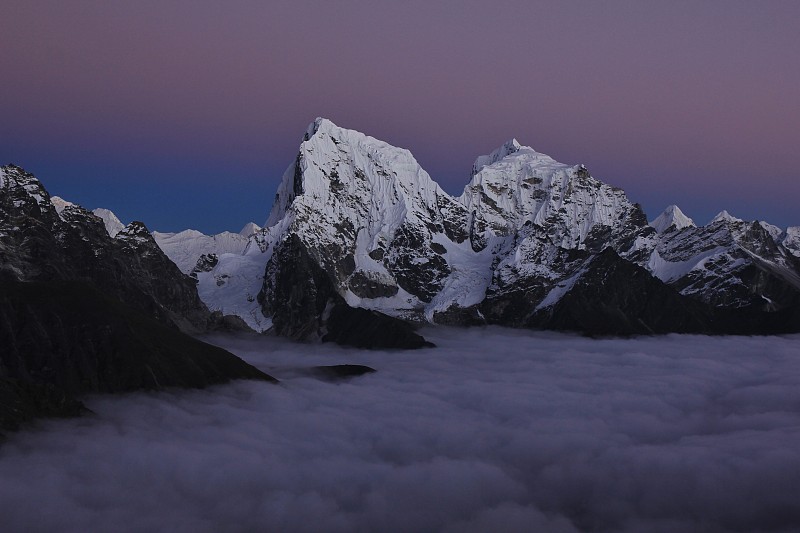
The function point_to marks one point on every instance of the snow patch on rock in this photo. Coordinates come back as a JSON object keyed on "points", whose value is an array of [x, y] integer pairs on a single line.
{"points": [[60, 204]]}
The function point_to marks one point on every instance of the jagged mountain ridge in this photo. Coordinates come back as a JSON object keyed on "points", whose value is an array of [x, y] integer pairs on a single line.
{"points": [[729, 263], [82, 311], [187, 247], [42, 240], [391, 240]]}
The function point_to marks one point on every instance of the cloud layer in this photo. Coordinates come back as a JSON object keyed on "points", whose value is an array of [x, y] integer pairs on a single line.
{"points": [[494, 430]]}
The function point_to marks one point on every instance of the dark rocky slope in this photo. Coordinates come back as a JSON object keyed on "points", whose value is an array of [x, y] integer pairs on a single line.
{"points": [[37, 243], [613, 296], [300, 297], [82, 312], [65, 339]]}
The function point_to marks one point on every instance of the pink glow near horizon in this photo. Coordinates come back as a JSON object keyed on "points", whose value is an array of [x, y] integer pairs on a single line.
{"points": [[680, 101]]}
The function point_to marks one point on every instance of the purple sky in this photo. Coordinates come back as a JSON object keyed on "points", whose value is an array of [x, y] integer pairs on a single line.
{"points": [[185, 114]]}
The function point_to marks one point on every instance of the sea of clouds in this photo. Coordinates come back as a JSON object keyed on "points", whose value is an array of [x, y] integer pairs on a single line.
{"points": [[494, 430]]}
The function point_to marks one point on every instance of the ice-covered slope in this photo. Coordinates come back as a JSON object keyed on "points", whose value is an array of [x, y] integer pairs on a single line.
{"points": [[671, 219], [110, 220], [502, 152], [527, 187], [249, 229], [233, 281], [186, 247]]}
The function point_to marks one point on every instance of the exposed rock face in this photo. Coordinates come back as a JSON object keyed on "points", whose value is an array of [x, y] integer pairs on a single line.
{"points": [[612, 296], [206, 263], [729, 263], [38, 243], [304, 304], [363, 328]]}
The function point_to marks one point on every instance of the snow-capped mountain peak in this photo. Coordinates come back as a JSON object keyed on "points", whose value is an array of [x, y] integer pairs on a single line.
{"points": [[528, 187], [249, 229], [59, 203], [727, 217], [356, 201], [333, 161], [110, 220], [672, 217], [508, 148]]}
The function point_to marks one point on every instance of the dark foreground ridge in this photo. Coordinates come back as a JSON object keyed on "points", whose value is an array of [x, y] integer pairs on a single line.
{"points": [[64, 339]]}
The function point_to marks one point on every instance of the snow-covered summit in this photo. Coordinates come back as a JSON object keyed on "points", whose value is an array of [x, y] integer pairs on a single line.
{"points": [[508, 148], [365, 210], [528, 187], [60, 204], [725, 216], [672, 218], [249, 229], [110, 220], [335, 166], [390, 239]]}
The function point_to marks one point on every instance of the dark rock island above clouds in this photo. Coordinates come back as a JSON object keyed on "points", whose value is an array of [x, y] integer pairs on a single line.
{"points": [[360, 247]]}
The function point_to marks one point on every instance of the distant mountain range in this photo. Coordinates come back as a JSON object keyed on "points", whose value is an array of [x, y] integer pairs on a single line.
{"points": [[359, 221], [360, 247]]}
